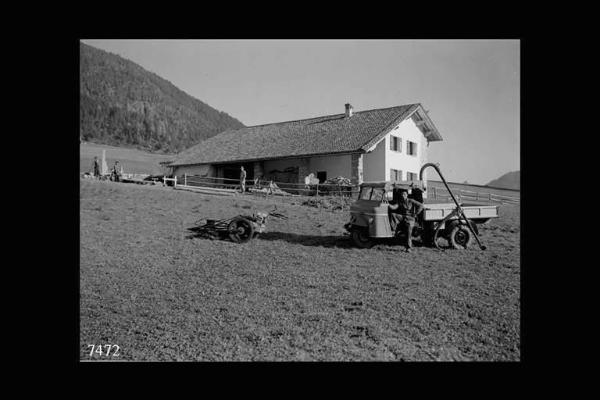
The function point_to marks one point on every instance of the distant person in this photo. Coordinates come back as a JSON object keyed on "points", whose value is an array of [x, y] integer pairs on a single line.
{"points": [[243, 179], [116, 172], [96, 168], [402, 214], [271, 187]]}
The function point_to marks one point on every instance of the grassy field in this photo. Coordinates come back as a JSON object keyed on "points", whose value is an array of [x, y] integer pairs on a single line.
{"points": [[133, 161], [298, 292]]}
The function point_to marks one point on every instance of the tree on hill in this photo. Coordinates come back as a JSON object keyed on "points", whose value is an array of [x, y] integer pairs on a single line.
{"points": [[121, 103]]}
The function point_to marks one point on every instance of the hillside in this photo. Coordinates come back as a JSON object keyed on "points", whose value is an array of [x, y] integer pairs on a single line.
{"points": [[510, 180], [121, 103], [133, 161]]}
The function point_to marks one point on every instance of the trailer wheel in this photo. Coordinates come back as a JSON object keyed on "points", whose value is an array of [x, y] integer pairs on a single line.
{"points": [[460, 237], [240, 230], [361, 238]]}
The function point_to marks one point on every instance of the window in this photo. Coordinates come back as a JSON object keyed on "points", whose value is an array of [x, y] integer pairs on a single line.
{"points": [[411, 148], [378, 194], [411, 177], [365, 193], [395, 143], [322, 176], [395, 175], [371, 193]]}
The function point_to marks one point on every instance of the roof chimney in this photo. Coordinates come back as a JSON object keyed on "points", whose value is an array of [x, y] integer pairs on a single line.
{"points": [[348, 110]]}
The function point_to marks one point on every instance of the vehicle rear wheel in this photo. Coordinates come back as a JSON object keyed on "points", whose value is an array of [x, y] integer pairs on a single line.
{"points": [[361, 238], [460, 237], [240, 230]]}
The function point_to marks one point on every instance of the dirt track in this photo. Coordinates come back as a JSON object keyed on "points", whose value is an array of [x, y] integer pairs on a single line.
{"points": [[301, 291]]}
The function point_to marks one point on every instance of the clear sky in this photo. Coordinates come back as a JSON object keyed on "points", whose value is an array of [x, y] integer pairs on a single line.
{"points": [[470, 87]]}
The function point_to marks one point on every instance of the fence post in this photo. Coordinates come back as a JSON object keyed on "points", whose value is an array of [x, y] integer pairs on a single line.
{"points": [[175, 183], [317, 190], [490, 196], [185, 179], [164, 180]]}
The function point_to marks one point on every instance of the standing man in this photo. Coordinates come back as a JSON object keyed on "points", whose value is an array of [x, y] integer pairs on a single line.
{"points": [[96, 167], [116, 172], [243, 179], [403, 213]]}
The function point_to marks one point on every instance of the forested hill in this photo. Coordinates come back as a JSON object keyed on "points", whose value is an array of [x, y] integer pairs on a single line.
{"points": [[510, 180], [121, 103]]}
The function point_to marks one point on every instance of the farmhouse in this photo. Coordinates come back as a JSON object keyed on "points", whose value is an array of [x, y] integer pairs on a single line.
{"points": [[374, 145]]}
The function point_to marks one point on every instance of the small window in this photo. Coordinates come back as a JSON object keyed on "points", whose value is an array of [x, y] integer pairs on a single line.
{"points": [[411, 148], [322, 176], [411, 176], [395, 174], [395, 143]]}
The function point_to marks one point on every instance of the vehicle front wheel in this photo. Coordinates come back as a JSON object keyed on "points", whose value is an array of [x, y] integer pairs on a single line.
{"points": [[361, 238]]}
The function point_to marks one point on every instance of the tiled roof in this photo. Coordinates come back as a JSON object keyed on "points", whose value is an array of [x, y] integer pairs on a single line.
{"points": [[313, 136]]}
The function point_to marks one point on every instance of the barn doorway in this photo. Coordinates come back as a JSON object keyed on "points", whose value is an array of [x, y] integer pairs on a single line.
{"points": [[232, 171], [322, 176]]}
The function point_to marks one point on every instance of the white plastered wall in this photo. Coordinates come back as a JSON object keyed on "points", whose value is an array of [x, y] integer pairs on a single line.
{"points": [[202, 170], [406, 131], [334, 165], [374, 163], [381, 159]]}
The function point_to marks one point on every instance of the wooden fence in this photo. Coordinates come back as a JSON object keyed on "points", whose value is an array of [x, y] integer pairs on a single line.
{"points": [[289, 188], [264, 185], [435, 193]]}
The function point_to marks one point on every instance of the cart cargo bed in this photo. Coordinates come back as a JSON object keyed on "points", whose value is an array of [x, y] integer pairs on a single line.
{"points": [[476, 212]]}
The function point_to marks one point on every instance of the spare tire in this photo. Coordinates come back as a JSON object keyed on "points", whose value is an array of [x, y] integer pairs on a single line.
{"points": [[460, 237]]}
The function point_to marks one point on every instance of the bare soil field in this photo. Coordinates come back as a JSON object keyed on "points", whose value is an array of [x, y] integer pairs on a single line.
{"points": [[299, 292]]}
